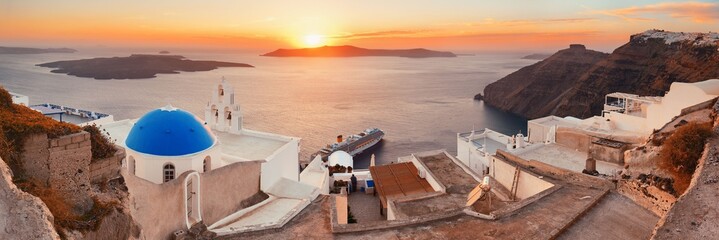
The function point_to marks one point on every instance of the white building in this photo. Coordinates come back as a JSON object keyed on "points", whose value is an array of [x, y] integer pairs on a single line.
{"points": [[20, 99], [568, 142], [168, 141]]}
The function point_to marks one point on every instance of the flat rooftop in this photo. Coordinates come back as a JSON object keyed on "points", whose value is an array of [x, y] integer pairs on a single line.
{"points": [[245, 146], [554, 121], [491, 145], [398, 180], [451, 175], [248, 146], [566, 158], [457, 182], [542, 219]]}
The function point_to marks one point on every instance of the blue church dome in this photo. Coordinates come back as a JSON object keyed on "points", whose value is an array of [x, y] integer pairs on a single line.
{"points": [[169, 131]]}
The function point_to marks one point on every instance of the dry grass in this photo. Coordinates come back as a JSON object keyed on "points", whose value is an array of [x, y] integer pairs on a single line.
{"points": [[102, 147], [61, 210], [17, 122], [681, 151]]}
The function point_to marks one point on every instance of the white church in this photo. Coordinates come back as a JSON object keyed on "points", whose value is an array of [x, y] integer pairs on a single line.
{"points": [[214, 172], [168, 141]]}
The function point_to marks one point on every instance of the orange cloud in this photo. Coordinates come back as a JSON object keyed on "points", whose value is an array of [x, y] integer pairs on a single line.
{"points": [[525, 22], [378, 34], [698, 12]]}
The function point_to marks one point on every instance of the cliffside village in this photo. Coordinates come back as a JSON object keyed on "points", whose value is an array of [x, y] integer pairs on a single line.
{"points": [[188, 177]]}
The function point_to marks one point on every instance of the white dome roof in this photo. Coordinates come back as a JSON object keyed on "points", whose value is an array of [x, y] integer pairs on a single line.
{"points": [[342, 158]]}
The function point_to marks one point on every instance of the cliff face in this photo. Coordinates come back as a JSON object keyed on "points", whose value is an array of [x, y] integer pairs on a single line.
{"points": [[646, 65], [533, 90], [22, 216]]}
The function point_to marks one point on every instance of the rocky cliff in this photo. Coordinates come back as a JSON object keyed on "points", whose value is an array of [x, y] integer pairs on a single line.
{"points": [[533, 90], [646, 65], [22, 216]]}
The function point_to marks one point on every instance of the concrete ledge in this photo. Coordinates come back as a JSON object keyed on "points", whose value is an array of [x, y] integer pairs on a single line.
{"points": [[392, 203], [274, 225], [512, 208], [383, 225], [556, 232], [237, 215]]}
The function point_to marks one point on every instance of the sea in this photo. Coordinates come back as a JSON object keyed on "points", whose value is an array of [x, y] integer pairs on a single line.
{"points": [[420, 104]]}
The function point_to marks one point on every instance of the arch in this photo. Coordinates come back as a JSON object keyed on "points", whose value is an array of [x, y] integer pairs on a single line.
{"points": [[228, 116], [207, 164], [215, 112], [192, 199], [168, 172]]}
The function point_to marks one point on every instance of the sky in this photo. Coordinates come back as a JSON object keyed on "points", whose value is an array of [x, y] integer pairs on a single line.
{"points": [[481, 25]]}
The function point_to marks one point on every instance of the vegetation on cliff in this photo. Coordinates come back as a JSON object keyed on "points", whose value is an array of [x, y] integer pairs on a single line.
{"points": [[102, 147], [17, 122], [681, 151]]}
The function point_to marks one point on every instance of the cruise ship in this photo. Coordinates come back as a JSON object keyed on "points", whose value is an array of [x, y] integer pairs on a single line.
{"points": [[353, 144]]}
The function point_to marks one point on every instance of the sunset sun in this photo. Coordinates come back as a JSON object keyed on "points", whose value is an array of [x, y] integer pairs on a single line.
{"points": [[314, 40]]}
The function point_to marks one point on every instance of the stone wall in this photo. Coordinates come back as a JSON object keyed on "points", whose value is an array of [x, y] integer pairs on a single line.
{"points": [[574, 139], [107, 168], [157, 208], [236, 182], [160, 209], [650, 197], [34, 158], [61, 163], [607, 150]]}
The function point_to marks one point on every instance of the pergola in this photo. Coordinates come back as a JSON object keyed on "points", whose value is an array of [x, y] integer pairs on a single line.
{"points": [[397, 180]]}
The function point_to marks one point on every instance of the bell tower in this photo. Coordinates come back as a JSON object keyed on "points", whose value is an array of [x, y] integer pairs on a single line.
{"points": [[221, 112]]}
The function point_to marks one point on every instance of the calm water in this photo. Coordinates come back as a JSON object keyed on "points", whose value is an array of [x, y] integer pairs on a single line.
{"points": [[420, 103]]}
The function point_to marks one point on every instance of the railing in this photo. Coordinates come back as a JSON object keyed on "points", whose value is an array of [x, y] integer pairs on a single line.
{"points": [[76, 112]]}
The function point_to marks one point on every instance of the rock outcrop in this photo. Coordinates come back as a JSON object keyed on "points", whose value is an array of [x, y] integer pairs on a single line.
{"points": [[352, 51], [23, 50], [136, 66], [533, 90], [563, 85], [22, 216]]}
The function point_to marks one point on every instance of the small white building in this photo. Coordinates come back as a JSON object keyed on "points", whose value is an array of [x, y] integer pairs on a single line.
{"points": [[168, 141]]}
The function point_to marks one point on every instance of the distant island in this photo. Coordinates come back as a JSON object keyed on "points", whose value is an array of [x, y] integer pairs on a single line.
{"points": [[136, 66], [24, 50], [352, 51], [164, 52], [537, 56]]}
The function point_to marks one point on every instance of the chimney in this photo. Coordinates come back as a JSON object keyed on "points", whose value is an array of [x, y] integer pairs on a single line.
{"points": [[339, 138]]}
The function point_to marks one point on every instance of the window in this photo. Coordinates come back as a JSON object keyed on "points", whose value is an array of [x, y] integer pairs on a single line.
{"points": [[168, 172], [206, 164], [131, 164]]}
